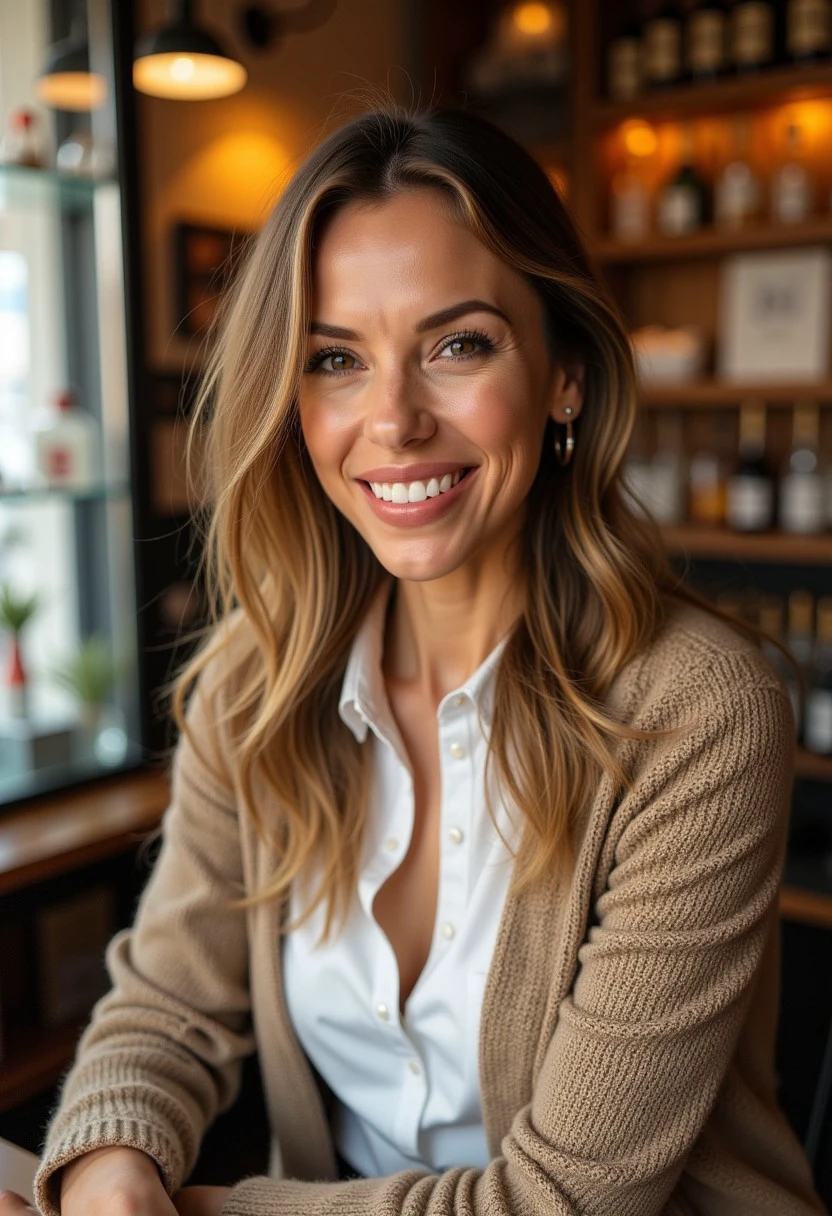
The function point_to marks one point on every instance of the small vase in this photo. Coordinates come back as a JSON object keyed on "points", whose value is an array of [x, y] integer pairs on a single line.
{"points": [[16, 682]]}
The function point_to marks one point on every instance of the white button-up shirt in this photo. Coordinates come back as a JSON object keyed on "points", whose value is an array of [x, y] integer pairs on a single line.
{"points": [[406, 1088]]}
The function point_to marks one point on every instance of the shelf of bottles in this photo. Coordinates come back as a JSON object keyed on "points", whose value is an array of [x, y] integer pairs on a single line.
{"points": [[715, 131]]}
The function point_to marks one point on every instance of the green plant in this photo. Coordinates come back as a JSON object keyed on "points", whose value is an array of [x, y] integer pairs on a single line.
{"points": [[89, 673], [16, 610]]}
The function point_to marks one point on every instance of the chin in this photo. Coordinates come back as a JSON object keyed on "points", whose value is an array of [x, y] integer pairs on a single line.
{"points": [[417, 567]]}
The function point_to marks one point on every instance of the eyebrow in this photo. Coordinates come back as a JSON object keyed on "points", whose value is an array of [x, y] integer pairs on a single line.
{"points": [[443, 317]]}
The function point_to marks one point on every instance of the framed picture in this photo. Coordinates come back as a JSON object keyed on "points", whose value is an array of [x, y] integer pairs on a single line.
{"points": [[203, 261], [776, 316]]}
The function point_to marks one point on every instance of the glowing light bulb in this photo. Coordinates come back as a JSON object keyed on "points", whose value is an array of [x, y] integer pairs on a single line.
{"points": [[639, 138], [532, 18], [182, 68]]}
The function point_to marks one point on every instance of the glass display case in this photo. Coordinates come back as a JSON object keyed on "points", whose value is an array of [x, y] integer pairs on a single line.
{"points": [[69, 699]]}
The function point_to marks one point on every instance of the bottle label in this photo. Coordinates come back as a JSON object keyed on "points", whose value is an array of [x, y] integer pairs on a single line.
{"points": [[662, 51], [624, 68], [750, 503], [706, 47], [792, 194], [679, 210], [752, 34], [802, 503], [738, 195], [817, 728], [809, 27], [630, 212]]}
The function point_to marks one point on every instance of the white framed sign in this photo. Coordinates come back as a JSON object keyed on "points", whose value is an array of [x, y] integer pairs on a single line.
{"points": [[775, 319]]}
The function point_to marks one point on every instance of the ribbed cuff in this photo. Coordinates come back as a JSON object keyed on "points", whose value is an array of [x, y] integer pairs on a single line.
{"points": [[109, 1133], [288, 1197]]}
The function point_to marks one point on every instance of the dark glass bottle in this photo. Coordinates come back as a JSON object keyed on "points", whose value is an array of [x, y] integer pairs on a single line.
{"points": [[706, 40], [817, 726], [683, 200], [662, 46], [809, 30], [750, 501], [624, 80], [752, 36]]}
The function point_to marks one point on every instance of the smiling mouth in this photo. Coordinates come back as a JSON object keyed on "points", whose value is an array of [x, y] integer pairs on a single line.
{"points": [[416, 491]]}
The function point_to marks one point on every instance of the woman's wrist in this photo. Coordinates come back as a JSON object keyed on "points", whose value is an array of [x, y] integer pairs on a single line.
{"points": [[116, 1159]]}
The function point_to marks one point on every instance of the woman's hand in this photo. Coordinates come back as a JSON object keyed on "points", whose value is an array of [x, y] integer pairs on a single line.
{"points": [[12, 1205], [198, 1200], [112, 1182]]}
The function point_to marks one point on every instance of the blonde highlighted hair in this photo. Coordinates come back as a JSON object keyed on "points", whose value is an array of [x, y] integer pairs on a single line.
{"points": [[290, 580]]}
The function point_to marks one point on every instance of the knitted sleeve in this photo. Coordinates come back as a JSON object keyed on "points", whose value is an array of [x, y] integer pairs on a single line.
{"points": [[162, 1054], [643, 1041]]}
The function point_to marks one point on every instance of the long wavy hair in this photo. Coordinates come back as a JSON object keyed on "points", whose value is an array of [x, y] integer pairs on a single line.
{"points": [[290, 580]]}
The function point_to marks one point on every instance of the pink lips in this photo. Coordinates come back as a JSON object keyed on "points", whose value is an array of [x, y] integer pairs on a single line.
{"points": [[413, 514]]}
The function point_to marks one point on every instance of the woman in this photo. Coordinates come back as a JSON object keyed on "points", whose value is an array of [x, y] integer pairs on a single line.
{"points": [[478, 815]]}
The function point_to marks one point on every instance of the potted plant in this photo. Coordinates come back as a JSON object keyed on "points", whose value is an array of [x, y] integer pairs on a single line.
{"points": [[15, 613], [89, 674]]}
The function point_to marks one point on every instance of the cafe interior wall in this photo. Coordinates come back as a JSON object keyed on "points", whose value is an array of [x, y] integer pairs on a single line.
{"points": [[222, 162]]}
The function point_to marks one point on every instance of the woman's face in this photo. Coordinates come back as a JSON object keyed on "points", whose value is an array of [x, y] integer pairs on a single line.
{"points": [[428, 386]]}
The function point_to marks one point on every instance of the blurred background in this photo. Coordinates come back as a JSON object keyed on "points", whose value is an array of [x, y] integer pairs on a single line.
{"points": [[142, 144]]}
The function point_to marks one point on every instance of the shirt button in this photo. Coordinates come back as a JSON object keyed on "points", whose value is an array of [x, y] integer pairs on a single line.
{"points": [[415, 1067], [457, 751], [448, 930], [460, 699], [383, 1012], [391, 844], [455, 836]]}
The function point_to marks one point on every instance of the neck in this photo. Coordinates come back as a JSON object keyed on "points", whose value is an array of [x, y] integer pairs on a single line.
{"points": [[439, 632]]}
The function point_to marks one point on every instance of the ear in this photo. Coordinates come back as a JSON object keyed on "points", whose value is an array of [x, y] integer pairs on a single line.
{"points": [[568, 390]]}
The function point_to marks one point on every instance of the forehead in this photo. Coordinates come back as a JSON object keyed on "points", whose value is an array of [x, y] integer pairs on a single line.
{"points": [[406, 250]]}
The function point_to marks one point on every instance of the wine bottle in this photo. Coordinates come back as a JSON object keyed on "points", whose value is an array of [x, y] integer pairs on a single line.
{"points": [[706, 40], [817, 727], [752, 35], [809, 30], [792, 187], [802, 489], [738, 194], [630, 203], [750, 492], [662, 46], [624, 69], [707, 478], [683, 200]]}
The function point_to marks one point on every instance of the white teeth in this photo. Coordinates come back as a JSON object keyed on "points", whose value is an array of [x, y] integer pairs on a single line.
{"points": [[414, 491]]}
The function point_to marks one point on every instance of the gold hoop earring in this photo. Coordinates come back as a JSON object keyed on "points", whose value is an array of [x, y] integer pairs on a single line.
{"points": [[564, 457]]}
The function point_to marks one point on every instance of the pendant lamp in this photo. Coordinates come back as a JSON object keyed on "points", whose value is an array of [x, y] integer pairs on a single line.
{"points": [[66, 82], [185, 63]]}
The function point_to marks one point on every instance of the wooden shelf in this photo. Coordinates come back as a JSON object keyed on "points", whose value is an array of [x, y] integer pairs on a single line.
{"points": [[808, 907], [812, 766], [716, 394], [713, 242], [723, 96], [775, 547], [70, 830]]}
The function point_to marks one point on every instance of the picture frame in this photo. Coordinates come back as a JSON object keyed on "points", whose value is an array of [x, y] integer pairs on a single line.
{"points": [[776, 316], [204, 258]]}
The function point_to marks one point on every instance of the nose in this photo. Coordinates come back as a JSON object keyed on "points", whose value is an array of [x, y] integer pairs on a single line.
{"points": [[397, 415]]}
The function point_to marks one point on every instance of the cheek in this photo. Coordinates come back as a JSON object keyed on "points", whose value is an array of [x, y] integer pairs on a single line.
{"points": [[326, 434]]}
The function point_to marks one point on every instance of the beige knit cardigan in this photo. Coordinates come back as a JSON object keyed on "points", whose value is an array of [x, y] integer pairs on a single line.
{"points": [[628, 1025]]}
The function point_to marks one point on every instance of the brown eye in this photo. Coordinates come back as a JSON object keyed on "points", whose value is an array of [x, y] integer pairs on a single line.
{"points": [[457, 347], [342, 362]]}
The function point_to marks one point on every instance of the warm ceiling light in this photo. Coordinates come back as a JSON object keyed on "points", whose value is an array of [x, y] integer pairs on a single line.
{"points": [[66, 82], [639, 138], [532, 19], [183, 62]]}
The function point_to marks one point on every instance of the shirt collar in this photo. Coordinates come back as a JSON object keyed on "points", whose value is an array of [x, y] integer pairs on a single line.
{"points": [[363, 699]]}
